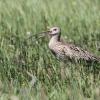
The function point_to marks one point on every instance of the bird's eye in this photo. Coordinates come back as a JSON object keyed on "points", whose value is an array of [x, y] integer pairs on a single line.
{"points": [[55, 29]]}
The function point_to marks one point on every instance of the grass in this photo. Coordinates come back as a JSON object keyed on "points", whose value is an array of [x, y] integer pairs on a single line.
{"points": [[80, 24]]}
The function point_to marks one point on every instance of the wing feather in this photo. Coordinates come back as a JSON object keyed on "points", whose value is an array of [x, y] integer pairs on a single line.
{"points": [[79, 53]]}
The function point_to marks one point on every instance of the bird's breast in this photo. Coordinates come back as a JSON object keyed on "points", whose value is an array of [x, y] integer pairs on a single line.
{"points": [[57, 50]]}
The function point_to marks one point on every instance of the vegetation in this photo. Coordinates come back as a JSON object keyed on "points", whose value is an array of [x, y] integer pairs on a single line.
{"points": [[28, 70]]}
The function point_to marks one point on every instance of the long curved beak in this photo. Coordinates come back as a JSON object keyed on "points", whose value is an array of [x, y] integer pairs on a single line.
{"points": [[42, 34]]}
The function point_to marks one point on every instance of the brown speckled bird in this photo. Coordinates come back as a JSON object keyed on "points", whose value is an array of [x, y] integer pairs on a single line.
{"points": [[66, 51]]}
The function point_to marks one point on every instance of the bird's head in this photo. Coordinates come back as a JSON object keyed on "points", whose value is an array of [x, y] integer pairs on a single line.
{"points": [[54, 31]]}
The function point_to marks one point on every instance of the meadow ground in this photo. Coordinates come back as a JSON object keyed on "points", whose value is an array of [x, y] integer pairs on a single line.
{"points": [[28, 70]]}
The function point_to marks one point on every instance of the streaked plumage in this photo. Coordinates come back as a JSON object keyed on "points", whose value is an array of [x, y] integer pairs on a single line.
{"points": [[66, 51]]}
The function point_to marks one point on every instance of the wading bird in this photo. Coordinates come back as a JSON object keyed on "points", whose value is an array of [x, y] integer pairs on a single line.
{"points": [[66, 51]]}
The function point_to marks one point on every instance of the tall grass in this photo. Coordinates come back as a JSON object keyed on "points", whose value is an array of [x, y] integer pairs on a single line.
{"points": [[80, 24]]}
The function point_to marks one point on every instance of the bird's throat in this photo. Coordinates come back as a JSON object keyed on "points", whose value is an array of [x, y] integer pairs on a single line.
{"points": [[54, 40]]}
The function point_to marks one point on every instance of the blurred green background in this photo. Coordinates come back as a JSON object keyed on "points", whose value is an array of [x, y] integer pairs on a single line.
{"points": [[80, 24]]}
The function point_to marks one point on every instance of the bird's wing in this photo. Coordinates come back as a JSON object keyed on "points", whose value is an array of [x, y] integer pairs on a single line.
{"points": [[78, 53]]}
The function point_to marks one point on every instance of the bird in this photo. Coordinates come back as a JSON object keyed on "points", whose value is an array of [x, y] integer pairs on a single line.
{"points": [[67, 51]]}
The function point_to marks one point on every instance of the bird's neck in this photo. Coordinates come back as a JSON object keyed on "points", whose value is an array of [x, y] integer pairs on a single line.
{"points": [[54, 40]]}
